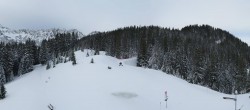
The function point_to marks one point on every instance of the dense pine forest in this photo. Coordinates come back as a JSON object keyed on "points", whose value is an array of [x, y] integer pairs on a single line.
{"points": [[19, 58], [201, 55]]}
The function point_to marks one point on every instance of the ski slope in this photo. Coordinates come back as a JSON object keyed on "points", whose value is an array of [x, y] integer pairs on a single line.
{"points": [[87, 86]]}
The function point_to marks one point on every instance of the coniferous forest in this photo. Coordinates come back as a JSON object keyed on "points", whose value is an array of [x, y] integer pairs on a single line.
{"points": [[201, 55]]}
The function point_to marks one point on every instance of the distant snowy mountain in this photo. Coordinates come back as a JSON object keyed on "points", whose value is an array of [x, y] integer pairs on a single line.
{"points": [[21, 35]]}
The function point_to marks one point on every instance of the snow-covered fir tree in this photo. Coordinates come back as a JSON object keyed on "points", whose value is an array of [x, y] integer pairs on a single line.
{"points": [[43, 53], [26, 65], [2, 91], [73, 58], [2, 75], [48, 65]]}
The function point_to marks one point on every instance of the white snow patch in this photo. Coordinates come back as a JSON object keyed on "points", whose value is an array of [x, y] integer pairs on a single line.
{"points": [[126, 95], [218, 41], [131, 61]]}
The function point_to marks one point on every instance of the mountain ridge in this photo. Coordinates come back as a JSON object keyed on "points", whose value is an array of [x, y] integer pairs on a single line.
{"points": [[22, 35]]}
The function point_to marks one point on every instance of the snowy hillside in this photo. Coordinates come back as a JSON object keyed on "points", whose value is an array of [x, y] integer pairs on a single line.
{"points": [[87, 86], [9, 35]]}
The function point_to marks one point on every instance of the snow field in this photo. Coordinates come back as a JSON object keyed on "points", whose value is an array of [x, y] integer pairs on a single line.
{"points": [[87, 86]]}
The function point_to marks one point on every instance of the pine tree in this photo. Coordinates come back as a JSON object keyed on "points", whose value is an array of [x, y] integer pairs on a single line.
{"points": [[117, 42], [31, 51], [2, 92], [8, 64], [142, 55], [48, 65], [73, 58], [211, 73], [2, 75], [54, 63], [241, 74], [198, 69], [26, 64], [248, 86], [183, 67], [43, 53]]}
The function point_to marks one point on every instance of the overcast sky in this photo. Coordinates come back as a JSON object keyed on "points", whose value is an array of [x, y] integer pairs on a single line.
{"points": [[104, 15]]}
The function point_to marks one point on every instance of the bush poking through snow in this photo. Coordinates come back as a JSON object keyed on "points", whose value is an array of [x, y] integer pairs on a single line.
{"points": [[109, 67], [120, 64], [92, 60], [87, 54]]}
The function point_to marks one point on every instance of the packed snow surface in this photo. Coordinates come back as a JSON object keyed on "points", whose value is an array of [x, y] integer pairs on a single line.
{"points": [[87, 86]]}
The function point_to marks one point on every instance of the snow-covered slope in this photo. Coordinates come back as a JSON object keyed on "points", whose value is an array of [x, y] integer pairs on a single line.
{"points": [[87, 86], [9, 35]]}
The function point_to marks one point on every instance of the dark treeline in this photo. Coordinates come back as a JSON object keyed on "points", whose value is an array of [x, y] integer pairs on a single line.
{"points": [[18, 58], [201, 55]]}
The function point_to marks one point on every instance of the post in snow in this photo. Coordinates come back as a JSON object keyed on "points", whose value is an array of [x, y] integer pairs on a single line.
{"points": [[166, 98]]}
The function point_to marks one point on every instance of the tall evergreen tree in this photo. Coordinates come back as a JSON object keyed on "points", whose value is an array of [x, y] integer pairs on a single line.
{"points": [[73, 58], [43, 54], [2, 75], [8, 64], [184, 67], [241, 74], [48, 65], [26, 65], [2, 92], [28, 59], [198, 66], [212, 72], [142, 55]]}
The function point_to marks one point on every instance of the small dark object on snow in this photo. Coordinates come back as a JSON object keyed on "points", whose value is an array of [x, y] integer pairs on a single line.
{"points": [[109, 67], [50, 107], [166, 99], [120, 64], [92, 60]]}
